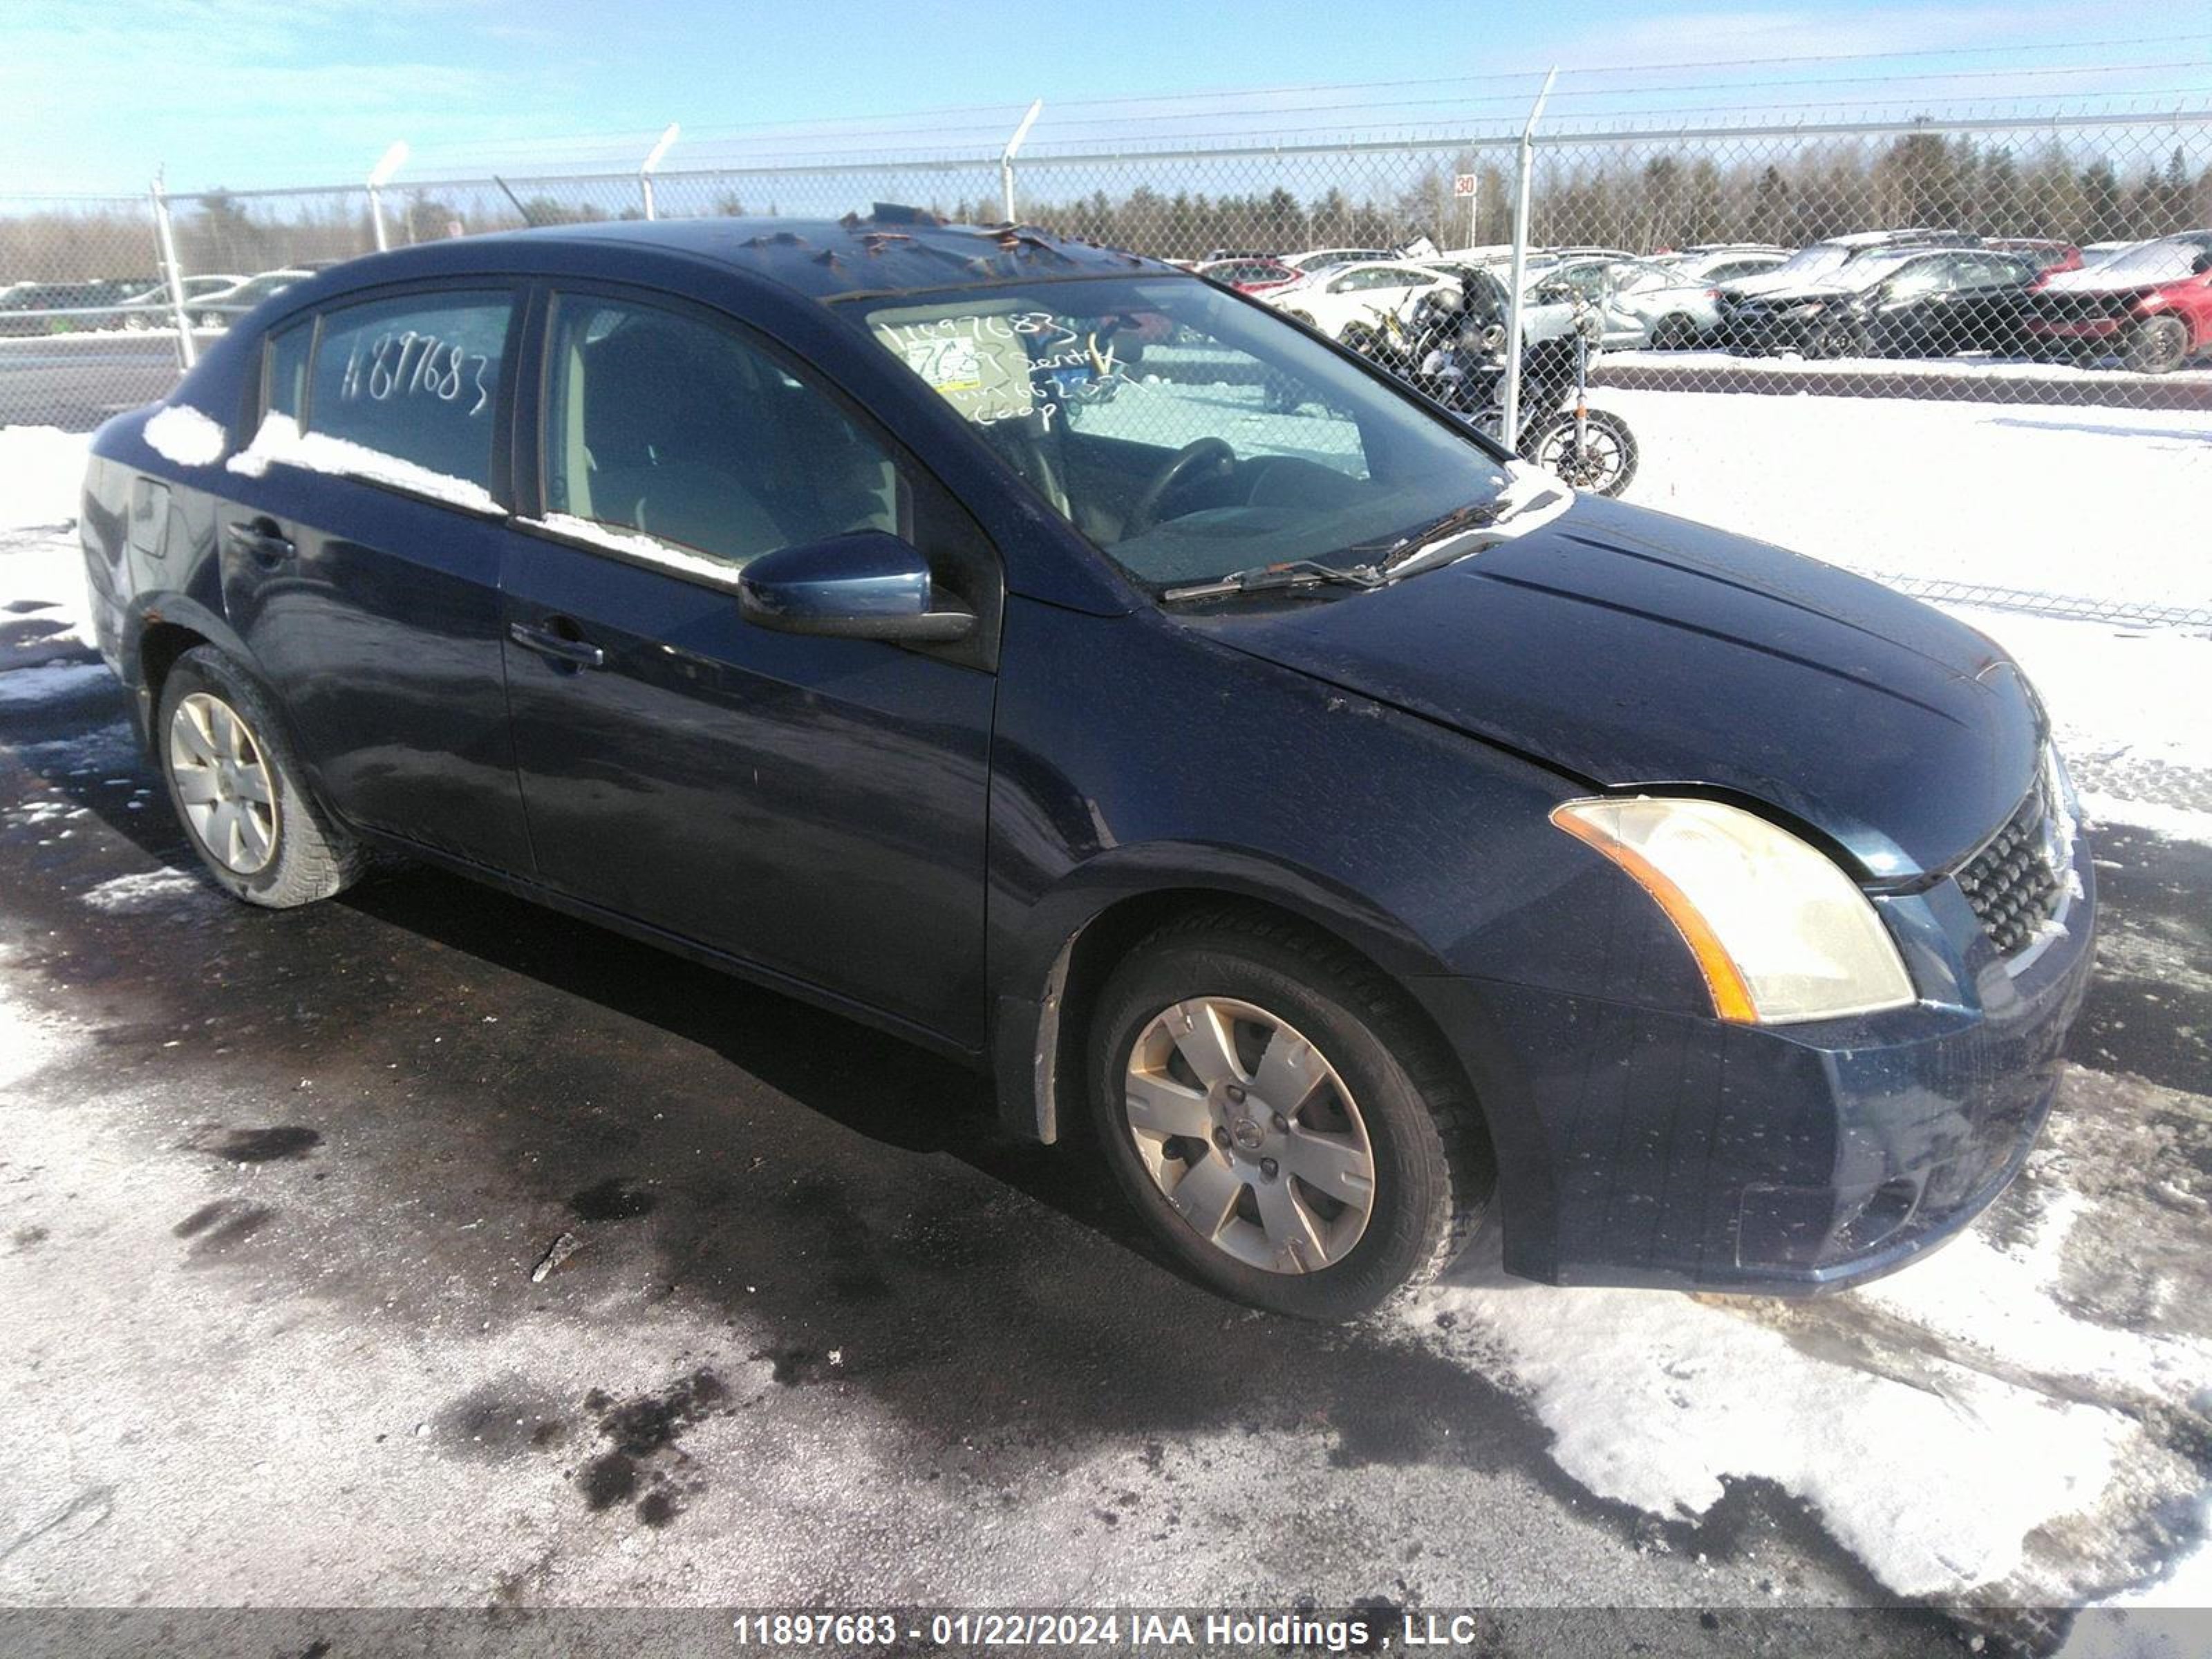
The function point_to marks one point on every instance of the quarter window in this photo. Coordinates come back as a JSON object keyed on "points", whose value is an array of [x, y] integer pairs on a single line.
{"points": [[416, 378], [287, 384], [683, 430]]}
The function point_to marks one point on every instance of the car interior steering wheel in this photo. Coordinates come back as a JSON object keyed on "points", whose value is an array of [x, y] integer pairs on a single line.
{"points": [[1177, 467]]}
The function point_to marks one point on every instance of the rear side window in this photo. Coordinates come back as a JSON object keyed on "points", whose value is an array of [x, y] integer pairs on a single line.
{"points": [[416, 378]]}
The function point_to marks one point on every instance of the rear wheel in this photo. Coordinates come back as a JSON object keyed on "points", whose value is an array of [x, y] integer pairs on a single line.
{"points": [[2156, 345], [1288, 1132], [235, 785]]}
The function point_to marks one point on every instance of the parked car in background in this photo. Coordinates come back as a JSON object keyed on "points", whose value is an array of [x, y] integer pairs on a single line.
{"points": [[153, 308], [2149, 304], [1638, 303], [1247, 274], [225, 306], [32, 308], [1820, 261], [1705, 916], [1342, 301], [1716, 266], [1897, 301], [1317, 258], [2044, 253]]}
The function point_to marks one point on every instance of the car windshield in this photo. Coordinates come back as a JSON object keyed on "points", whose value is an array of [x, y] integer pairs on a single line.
{"points": [[2166, 261], [1186, 432]]}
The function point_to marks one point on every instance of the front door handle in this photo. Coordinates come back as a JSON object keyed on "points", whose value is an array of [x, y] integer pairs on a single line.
{"points": [[576, 653], [263, 542]]}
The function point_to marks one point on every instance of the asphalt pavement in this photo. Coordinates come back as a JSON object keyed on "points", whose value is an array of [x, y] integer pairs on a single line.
{"points": [[427, 1248]]}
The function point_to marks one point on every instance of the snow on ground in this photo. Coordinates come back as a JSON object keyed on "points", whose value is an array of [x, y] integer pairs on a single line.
{"points": [[2102, 503], [41, 470]]}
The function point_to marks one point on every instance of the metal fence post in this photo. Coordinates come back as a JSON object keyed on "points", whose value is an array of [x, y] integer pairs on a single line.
{"points": [[652, 160], [1006, 157], [165, 239], [379, 176], [1510, 418]]}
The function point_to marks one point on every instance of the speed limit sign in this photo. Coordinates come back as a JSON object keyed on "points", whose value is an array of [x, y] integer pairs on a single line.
{"points": [[1462, 184]]}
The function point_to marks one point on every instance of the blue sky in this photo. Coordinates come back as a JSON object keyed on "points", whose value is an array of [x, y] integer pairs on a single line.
{"points": [[252, 92]]}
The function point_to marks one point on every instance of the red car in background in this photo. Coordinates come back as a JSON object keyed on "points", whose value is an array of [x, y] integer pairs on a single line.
{"points": [[2149, 304], [1249, 276]]}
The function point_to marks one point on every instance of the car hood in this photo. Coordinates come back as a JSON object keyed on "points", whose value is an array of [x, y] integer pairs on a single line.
{"points": [[1630, 649], [1798, 293]]}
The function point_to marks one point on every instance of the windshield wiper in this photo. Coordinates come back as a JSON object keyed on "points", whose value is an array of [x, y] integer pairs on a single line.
{"points": [[1433, 546], [1275, 579]]}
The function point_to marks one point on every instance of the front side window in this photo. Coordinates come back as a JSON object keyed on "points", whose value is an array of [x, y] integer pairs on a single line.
{"points": [[1183, 431], [666, 424], [416, 379]]}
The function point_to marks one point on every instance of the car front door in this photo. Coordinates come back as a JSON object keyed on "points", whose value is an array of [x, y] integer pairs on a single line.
{"points": [[813, 806], [1986, 315], [360, 543], [1912, 308]]}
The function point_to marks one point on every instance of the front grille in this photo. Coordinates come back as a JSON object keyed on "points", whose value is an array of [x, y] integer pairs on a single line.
{"points": [[2010, 883]]}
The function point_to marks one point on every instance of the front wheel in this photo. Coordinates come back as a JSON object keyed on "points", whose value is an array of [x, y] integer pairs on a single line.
{"points": [[235, 785], [2157, 345], [1601, 459], [1288, 1132], [1676, 332], [1841, 339]]}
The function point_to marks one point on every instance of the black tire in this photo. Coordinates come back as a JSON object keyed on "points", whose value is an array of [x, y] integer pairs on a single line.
{"points": [[1610, 465], [1433, 1173], [1358, 337], [1840, 339], [1676, 332], [2157, 345], [312, 856]]}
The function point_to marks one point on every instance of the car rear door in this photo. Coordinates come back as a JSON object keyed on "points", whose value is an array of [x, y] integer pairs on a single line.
{"points": [[813, 806], [360, 540]]}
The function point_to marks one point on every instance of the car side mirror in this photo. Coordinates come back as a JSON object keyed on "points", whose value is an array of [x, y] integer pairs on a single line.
{"points": [[869, 585], [2201, 264]]}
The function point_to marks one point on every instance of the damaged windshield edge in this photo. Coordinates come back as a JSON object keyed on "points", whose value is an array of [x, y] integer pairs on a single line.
{"points": [[1193, 437]]}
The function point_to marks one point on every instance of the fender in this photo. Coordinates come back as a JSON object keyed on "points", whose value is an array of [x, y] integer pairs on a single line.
{"points": [[142, 612], [1035, 952]]}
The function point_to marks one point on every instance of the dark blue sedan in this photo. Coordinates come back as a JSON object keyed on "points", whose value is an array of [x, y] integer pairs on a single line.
{"points": [[1357, 831]]}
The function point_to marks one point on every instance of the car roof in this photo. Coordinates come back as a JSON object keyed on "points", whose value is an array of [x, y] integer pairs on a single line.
{"points": [[892, 250]]}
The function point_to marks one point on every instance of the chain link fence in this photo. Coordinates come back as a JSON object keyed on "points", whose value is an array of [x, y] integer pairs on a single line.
{"points": [[1780, 312]]}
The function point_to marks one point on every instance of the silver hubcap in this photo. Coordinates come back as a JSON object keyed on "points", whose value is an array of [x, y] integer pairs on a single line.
{"points": [[222, 779], [1251, 1135]]}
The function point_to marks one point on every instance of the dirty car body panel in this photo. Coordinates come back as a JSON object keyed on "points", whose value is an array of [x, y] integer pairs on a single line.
{"points": [[947, 840]]}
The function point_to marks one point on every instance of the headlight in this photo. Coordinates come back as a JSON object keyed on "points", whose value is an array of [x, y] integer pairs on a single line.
{"points": [[1779, 932]]}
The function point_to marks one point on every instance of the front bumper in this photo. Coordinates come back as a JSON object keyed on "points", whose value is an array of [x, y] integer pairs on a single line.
{"points": [[1641, 1148]]}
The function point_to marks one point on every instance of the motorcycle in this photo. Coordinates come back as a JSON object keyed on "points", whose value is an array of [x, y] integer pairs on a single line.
{"points": [[1459, 361]]}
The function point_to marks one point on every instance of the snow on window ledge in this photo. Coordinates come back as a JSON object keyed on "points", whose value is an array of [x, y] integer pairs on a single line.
{"points": [[281, 441], [186, 436], [636, 546]]}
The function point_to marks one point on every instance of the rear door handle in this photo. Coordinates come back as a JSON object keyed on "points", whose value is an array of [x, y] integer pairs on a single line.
{"points": [[577, 653], [263, 542]]}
